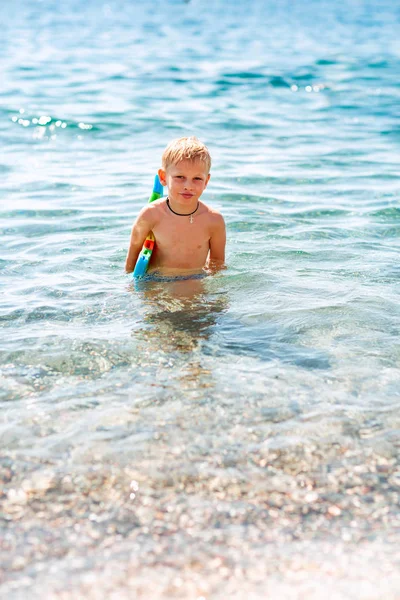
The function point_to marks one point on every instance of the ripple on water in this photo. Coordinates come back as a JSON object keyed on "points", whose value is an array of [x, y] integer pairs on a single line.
{"points": [[245, 426]]}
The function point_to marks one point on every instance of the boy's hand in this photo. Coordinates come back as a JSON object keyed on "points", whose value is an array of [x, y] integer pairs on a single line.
{"points": [[140, 230]]}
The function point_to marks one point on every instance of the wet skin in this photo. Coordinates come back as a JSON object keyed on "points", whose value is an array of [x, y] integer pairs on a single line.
{"points": [[181, 245]]}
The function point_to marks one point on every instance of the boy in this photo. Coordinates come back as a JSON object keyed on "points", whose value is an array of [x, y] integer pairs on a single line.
{"points": [[189, 235]]}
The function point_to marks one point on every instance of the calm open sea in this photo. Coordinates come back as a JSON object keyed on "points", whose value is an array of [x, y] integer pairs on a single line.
{"points": [[236, 437]]}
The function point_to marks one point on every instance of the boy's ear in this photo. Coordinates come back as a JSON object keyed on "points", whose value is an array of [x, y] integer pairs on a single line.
{"points": [[162, 176]]}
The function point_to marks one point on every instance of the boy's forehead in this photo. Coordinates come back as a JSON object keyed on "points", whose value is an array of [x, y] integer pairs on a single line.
{"points": [[192, 166]]}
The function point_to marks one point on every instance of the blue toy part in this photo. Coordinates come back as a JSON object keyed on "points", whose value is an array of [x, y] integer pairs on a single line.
{"points": [[143, 261], [157, 189]]}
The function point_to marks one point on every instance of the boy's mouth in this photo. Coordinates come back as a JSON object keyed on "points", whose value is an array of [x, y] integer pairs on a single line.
{"points": [[186, 195]]}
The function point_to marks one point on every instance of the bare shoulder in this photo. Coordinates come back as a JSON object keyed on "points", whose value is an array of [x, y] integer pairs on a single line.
{"points": [[214, 217], [151, 212]]}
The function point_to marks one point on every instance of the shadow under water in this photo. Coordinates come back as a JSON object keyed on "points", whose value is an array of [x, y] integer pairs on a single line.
{"points": [[180, 318], [184, 317]]}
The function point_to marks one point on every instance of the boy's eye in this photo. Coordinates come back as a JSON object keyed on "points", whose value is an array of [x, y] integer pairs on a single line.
{"points": [[198, 178]]}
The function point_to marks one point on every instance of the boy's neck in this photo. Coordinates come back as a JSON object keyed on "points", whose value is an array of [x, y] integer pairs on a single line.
{"points": [[182, 208]]}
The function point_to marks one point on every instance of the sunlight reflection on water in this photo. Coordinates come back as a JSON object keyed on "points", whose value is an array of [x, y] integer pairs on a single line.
{"points": [[235, 436]]}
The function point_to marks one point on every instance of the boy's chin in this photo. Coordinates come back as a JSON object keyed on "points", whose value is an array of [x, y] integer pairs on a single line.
{"points": [[180, 199]]}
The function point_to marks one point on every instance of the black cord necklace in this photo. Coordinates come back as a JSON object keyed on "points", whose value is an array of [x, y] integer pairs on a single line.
{"points": [[184, 214]]}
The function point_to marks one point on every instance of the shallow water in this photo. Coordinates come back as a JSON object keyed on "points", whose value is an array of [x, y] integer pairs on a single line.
{"points": [[232, 437]]}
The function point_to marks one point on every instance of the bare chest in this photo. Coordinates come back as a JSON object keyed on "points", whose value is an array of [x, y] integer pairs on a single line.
{"points": [[182, 232]]}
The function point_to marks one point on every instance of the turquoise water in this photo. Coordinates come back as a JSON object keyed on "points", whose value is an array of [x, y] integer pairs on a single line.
{"points": [[235, 437]]}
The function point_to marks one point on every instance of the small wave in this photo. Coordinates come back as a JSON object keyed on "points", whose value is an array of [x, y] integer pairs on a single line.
{"points": [[59, 212], [389, 213]]}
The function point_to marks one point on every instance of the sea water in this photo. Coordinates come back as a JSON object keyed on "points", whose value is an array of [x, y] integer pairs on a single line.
{"points": [[234, 437]]}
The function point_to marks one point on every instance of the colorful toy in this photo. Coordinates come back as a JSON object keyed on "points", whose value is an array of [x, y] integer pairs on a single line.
{"points": [[143, 261]]}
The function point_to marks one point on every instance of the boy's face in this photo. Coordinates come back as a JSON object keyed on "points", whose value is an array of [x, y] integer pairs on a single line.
{"points": [[186, 181]]}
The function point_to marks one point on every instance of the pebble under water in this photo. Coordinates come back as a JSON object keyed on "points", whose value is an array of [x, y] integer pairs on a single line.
{"points": [[232, 437]]}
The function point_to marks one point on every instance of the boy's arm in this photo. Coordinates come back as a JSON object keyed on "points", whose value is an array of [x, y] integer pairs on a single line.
{"points": [[216, 257], [140, 230]]}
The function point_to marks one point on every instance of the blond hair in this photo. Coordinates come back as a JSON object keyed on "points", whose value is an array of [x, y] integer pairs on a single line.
{"points": [[186, 148]]}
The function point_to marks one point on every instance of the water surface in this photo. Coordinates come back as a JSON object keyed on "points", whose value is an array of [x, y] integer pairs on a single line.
{"points": [[236, 437]]}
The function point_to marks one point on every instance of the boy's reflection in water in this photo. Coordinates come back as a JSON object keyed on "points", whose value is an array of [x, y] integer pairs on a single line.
{"points": [[180, 316]]}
